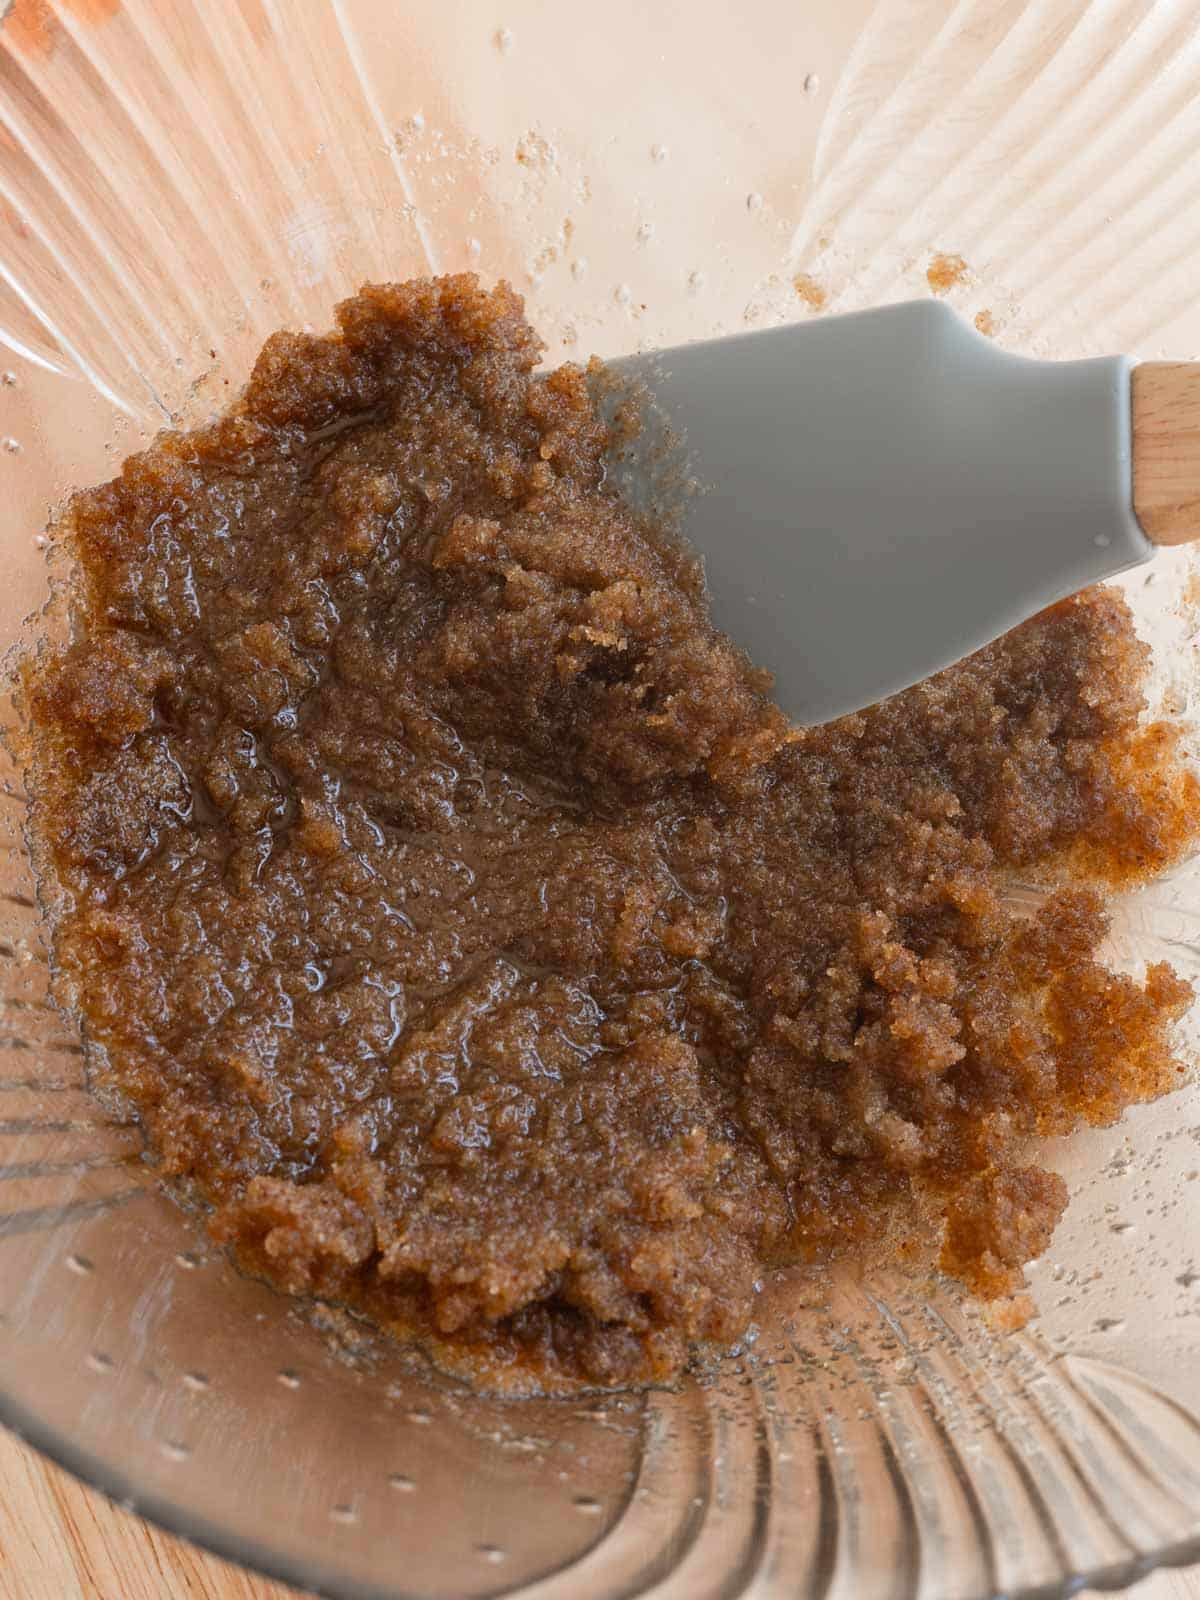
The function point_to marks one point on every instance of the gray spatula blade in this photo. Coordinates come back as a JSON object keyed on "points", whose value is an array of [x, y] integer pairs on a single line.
{"points": [[883, 493]]}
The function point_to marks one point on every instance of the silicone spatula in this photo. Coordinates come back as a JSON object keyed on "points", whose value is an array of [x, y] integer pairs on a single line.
{"points": [[882, 493]]}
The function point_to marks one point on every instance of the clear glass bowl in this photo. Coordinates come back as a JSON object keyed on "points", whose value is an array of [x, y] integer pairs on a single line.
{"points": [[176, 180]]}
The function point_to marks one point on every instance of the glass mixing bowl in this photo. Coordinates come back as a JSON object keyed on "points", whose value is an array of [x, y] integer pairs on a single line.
{"points": [[176, 180]]}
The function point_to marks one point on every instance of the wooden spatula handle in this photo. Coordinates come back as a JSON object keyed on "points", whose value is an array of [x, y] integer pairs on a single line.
{"points": [[1166, 450]]}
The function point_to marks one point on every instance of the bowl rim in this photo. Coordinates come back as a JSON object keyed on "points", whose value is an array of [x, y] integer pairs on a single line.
{"points": [[170, 1517]]}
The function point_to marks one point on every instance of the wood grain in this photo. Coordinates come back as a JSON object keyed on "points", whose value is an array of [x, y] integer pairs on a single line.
{"points": [[60, 1541], [1166, 450]]}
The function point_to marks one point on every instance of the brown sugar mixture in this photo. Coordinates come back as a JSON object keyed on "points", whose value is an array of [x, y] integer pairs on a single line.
{"points": [[476, 938]]}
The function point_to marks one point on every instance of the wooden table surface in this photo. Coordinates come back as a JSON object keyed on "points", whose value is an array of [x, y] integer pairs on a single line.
{"points": [[60, 1541]]}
